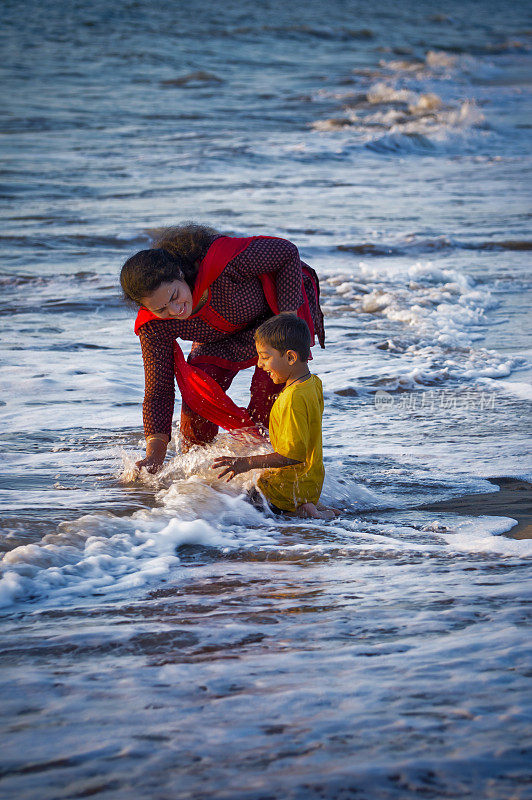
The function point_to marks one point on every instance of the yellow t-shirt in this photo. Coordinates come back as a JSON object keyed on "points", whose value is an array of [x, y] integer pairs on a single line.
{"points": [[295, 432]]}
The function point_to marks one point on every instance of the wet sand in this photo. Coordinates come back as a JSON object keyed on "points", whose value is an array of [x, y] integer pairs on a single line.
{"points": [[514, 499]]}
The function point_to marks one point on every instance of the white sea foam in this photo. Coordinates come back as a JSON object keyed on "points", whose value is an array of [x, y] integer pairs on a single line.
{"points": [[520, 385], [412, 107], [441, 60], [102, 555], [384, 93], [443, 311], [481, 535], [426, 127]]}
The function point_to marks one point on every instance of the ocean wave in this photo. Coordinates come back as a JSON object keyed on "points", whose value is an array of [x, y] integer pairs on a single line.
{"points": [[392, 120], [411, 106], [441, 65], [105, 556], [416, 245], [332, 124], [421, 125], [60, 292], [193, 79], [68, 241], [197, 516], [301, 31], [100, 554], [441, 312], [60, 280], [507, 244], [401, 143]]}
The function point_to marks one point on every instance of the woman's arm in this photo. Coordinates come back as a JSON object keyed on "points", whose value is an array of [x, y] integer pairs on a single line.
{"points": [[241, 464], [157, 344]]}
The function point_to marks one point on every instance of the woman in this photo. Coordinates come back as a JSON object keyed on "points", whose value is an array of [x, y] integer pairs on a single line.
{"points": [[213, 290]]}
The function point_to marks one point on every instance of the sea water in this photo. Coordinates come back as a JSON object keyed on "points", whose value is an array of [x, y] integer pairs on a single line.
{"points": [[160, 637]]}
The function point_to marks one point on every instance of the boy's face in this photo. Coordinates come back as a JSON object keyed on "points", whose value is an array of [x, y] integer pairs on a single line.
{"points": [[278, 367]]}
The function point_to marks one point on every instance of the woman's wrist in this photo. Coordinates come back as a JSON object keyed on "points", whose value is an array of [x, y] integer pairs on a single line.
{"points": [[160, 437], [156, 445]]}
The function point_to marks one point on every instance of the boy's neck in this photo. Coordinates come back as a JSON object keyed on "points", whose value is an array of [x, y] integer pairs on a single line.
{"points": [[299, 370]]}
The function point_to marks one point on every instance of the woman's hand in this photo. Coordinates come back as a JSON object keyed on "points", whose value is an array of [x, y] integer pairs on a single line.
{"points": [[234, 466], [155, 454]]}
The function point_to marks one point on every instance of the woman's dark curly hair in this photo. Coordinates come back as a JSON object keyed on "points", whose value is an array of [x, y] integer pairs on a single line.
{"points": [[173, 257]]}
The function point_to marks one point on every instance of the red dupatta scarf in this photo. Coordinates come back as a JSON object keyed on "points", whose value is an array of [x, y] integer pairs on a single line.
{"points": [[198, 390]]}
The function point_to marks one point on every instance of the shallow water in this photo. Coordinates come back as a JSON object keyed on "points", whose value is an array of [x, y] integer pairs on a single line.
{"points": [[162, 638]]}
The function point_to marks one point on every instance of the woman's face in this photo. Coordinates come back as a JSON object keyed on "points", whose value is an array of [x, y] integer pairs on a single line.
{"points": [[170, 300]]}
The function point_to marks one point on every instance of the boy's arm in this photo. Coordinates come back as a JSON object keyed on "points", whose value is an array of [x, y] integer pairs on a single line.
{"points": [[244, 463]]}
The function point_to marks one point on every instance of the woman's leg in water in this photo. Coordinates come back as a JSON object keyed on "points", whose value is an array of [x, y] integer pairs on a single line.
{"points": [[196, 429], [263, 395]]}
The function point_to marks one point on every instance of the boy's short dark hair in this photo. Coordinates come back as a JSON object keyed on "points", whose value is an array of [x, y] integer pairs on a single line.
{"points": [[285, 332]]}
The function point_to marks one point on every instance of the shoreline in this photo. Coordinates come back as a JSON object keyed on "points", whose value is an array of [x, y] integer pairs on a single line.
{"points": [[514, 500]]}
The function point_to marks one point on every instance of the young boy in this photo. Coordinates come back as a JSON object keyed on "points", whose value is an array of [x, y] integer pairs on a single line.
{"points": [[293, 474]]}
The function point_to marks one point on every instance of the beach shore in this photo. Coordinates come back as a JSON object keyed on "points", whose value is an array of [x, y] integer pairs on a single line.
{"points": [[514, 499]]}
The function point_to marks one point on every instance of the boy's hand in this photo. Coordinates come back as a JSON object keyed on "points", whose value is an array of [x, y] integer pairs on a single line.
{"points": [[245, 463], [234, 466]]}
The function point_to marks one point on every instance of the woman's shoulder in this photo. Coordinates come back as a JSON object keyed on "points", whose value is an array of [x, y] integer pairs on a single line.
{"points": [[159, 330]]}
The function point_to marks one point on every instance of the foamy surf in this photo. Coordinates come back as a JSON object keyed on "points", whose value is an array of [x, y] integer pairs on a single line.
{"points": [[442, 315], [109, 556], [412, 106]]}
